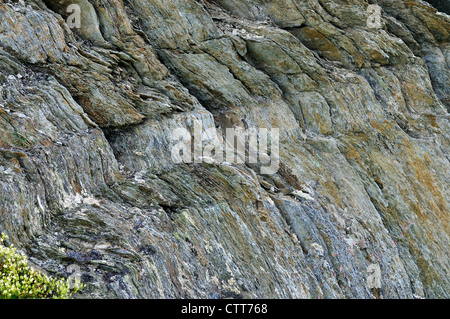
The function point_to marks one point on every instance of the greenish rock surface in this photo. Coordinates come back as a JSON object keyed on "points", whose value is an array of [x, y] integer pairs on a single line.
{"points": [[86, 123]]}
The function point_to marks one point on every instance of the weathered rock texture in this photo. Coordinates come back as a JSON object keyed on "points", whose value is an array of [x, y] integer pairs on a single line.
{"points": [[86, 119]]}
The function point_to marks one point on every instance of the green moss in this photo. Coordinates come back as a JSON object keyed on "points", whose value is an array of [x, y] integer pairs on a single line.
{"points": [[177, 235], [20, 281], [14, 136], [382, 83], [20, 140], [181, 236]]}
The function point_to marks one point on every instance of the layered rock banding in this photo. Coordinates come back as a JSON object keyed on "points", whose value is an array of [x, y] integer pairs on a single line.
{"points": [[86, 122]]}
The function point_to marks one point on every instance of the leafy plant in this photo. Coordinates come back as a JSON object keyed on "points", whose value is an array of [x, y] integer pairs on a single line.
{"points": [[20, 281]]}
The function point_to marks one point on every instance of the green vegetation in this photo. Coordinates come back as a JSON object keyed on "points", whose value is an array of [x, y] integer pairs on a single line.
{"points": [[13, 136], [20, 281]]}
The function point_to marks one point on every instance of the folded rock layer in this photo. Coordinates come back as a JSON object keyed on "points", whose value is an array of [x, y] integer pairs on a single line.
{"points": [[359, 207]]}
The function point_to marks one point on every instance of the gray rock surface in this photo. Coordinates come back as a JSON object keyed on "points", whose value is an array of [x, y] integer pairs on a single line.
{"points": [[86, 123]]}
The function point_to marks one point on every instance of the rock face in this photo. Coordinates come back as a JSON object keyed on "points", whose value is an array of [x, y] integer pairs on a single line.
{"points": [[359, 207]]}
